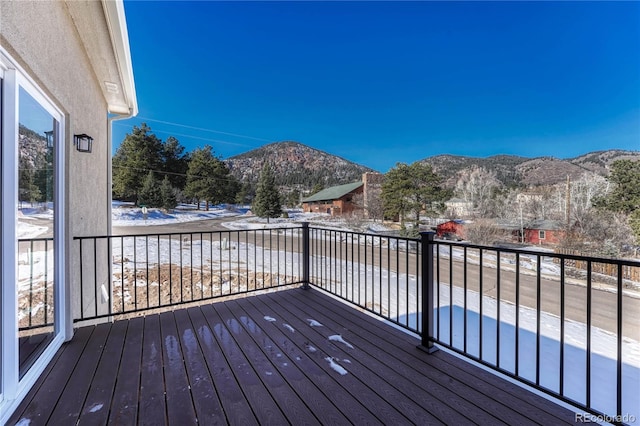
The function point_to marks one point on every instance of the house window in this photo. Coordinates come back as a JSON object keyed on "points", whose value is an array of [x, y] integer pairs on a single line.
{"points": [[541, 235]]}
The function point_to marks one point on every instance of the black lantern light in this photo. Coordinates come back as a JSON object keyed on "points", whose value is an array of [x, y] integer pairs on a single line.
{"points": [[83, 142]]}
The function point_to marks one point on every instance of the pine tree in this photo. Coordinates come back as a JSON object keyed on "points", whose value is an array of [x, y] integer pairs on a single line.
{"points": [[168, 194], [411, 189], [267, 201], [140, 152], [175, 162], [625, 195], [150, 194], [209, 178]]}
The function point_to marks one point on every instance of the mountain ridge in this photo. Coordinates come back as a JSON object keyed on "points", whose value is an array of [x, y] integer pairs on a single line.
{"points": [[295, 165], [302, 167]]}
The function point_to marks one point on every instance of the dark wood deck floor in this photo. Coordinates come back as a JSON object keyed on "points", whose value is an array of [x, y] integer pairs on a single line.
{"points": [[228, 363]]}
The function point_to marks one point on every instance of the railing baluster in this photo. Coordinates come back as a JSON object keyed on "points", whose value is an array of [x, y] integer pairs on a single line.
{"points": [[517, 330], [46, 281], [562, 320], [465, 283], [619, 342], [538, 310], [146, 247], [498, 266], [451, 294], [159, 273], [170, 270], [480, 303], [588, 360]]}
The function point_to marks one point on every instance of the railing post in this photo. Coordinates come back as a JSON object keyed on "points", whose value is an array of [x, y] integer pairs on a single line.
{"points": [[427, 293], [305, 255]]}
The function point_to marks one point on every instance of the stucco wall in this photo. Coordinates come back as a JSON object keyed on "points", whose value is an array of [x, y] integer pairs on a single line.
{"points": [[42, 38]]}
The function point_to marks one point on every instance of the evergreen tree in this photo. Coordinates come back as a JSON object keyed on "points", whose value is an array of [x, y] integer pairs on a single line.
{"points": [[411, 189], [267, 201], [209, 179], [175, 162], [168, 194], [244, 194], [316, 188], [150, 194], [140, 152], [293, 199], [625, 196]]}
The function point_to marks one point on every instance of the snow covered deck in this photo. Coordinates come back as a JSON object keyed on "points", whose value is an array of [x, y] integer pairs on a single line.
{"points": [[288, 357]]}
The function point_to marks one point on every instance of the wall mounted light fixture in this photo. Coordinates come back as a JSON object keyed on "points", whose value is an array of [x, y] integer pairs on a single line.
{"points": [[83, 142]]}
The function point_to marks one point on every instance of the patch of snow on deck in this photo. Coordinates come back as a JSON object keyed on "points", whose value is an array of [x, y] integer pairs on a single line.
{"points": [[96, 407], [338, 338], [335, 366], [268, 318], [288, 327], [314, 323]]}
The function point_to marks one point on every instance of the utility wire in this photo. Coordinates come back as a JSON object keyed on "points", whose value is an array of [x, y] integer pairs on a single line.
{"points": [[192, 137], [162, 172], [205, 130]]}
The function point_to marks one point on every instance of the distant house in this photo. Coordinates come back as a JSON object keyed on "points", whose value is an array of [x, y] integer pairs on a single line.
{"points": [[336, 200], [451, 230], [544, 232], [459, 206]]}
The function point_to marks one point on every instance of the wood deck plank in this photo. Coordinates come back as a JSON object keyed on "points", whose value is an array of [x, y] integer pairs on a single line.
{"points": [[309, 362], [207, 405], [96, 406], [382, 400], [75, 392], [437, 395], [505, 393], [234, 403], [152, 405], [180, 409], [269, 370], [225, 363], [277, 346], [414, 403], [124, 403], [260, 400]]}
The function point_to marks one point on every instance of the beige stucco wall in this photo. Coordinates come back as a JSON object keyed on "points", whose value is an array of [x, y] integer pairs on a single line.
{"points": [[42, 38]]}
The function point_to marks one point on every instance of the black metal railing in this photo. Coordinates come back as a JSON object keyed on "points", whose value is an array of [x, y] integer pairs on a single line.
{"points": [[549, 320], [534, 316], [567, 331], [35, 283], [377, 273], [132, 273]]}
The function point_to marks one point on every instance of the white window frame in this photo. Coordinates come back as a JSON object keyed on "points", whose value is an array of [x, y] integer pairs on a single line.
{"points": [[542, 234], [12, 388]]}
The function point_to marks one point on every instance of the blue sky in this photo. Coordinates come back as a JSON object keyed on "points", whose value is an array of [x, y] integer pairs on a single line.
{"points": [[385, 82]]}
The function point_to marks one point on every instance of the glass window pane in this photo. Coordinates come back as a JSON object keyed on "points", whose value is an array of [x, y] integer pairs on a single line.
{"points": [[37, 136]]}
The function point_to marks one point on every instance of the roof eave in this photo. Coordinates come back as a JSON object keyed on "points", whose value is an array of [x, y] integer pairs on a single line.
{"points": [[117, 24]]}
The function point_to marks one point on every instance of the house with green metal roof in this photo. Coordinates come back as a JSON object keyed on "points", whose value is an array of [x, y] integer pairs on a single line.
{"points": [[336, 200]]}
